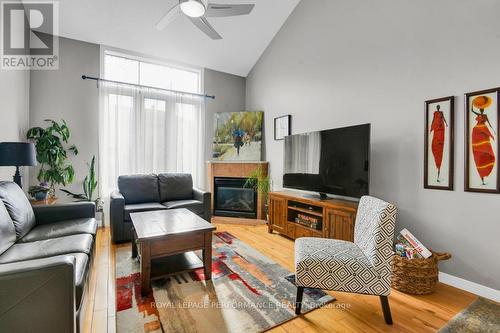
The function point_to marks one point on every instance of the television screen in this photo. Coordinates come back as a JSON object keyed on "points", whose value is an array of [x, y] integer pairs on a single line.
{"points": [[333, 161]]}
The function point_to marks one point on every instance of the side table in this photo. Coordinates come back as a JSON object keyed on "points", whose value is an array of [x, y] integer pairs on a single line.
{"points": [[48, 201]]}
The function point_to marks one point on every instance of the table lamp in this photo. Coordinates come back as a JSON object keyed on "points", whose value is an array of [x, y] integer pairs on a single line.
{"points": [[17, 154]]}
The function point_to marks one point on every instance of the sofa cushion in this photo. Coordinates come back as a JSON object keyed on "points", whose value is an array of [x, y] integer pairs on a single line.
{"points": [[48, 248], [7, 230], [18, 206], [175, 186], [60, 229], [139, 188], [143, 207], [194, 206]]}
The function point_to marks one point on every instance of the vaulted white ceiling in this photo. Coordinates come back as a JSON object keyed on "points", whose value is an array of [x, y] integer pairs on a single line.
{"points": [[130, 25]]}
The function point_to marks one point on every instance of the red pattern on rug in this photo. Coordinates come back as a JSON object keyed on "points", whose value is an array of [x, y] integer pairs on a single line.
{"points": [[225, 236], [127, 285], [219, 269], [124, 288], [124, 292]]}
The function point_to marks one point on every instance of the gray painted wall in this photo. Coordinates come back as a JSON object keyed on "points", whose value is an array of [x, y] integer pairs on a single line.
{"points": [[229, 91], [62, 94], [339, 63], [14, 105], [14, 108]]}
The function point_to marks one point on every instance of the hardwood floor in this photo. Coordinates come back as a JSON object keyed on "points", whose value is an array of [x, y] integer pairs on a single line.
{"points": [[350, 313], [100, 314]]}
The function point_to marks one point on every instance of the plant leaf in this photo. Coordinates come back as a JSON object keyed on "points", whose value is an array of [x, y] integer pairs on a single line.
{"points": [[78, 196], [51, 154]]}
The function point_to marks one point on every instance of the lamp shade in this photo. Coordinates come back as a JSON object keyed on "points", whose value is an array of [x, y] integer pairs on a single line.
{"points": [[17, 154]]}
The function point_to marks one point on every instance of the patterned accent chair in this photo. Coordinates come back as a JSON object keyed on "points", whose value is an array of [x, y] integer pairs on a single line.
{"points": [[362, 267]]}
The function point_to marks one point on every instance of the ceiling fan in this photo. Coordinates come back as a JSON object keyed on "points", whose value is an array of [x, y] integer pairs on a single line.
{"points": [[197, 12]]}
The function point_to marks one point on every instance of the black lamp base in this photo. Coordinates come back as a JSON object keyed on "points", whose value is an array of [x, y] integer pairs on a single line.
{"points": [[17, 177]]}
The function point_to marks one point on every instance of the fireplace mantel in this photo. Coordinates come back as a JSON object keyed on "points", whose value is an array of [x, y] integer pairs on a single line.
{"points": [[237, 170]]}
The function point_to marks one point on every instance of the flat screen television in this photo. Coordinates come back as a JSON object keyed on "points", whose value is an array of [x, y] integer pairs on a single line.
{"points": [[335, 161]]}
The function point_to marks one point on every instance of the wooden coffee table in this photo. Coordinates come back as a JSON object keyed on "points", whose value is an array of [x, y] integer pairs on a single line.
{"points": [[165, 240]]}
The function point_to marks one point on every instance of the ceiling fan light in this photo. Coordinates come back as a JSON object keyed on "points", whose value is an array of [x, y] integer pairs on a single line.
{"points": [[193, 8]]}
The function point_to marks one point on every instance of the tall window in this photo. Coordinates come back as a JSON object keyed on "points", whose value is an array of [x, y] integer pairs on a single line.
{"points": [[122, 69], [144, 129]]}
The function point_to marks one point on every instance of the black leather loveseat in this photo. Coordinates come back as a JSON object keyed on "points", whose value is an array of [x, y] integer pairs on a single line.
{"points": [[46, 254], [142, 193]]}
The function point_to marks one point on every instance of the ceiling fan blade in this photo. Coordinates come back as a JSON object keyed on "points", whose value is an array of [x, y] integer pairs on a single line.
{"points": [[204, 26], [220, 10], [169, 17]]}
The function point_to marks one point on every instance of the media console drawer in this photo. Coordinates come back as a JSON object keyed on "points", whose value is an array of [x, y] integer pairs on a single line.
{"points": [[301, 231]]}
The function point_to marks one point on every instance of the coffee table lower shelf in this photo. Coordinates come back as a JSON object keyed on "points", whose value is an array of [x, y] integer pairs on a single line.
{"points": [[175, 264]]}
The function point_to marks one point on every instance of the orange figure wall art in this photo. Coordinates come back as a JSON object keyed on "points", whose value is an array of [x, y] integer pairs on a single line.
{"points": [[482, 142], [438, 126], [439, 121], [484, 156]]}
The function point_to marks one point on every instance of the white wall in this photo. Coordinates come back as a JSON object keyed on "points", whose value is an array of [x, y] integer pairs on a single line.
{"points": [[62, 94], [341, 62], [14, 104]]}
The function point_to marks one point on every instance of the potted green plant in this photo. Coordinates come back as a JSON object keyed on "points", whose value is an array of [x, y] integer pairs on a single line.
{"points": [[52, 153], [39, 192], [89, 187], [260, 182]]}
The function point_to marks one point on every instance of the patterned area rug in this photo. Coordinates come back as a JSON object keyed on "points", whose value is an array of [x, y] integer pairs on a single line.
{"points": [[482, 316], [248, 293]]}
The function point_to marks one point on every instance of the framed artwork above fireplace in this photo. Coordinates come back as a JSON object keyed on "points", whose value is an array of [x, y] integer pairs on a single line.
{"points": [[238, 136]]}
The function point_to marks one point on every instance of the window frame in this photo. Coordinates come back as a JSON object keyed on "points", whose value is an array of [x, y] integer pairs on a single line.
{"points": [[106, 50]]}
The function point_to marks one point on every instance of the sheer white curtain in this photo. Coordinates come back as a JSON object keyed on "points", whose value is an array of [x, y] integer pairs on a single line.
{"points": [[148, 131]]}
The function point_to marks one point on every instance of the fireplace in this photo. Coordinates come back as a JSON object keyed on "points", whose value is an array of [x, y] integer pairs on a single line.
{"points": [[239, 172], [232, 198]]}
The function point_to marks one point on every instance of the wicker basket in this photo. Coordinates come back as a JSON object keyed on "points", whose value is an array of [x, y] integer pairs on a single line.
{"points": [[416, 276]]}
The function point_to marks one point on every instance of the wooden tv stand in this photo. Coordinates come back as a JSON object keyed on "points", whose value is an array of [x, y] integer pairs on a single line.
{"points": [[335, 218]]}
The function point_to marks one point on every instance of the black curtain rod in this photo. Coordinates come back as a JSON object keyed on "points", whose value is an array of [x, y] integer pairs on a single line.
{"points": [[85, 77]]}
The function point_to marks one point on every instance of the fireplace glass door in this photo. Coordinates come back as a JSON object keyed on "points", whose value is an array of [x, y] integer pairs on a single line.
{"points": [[232, 198]]}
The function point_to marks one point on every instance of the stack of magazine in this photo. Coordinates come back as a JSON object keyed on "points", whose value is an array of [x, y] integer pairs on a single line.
{"points": [[308, 221], [410, 247]]}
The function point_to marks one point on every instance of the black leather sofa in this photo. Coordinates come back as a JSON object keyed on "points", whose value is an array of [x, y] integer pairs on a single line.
{"points": [[46, 255], [142, 193]]}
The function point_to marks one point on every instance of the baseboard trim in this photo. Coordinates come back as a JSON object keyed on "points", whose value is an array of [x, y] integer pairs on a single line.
{"points": [[470, 286]]}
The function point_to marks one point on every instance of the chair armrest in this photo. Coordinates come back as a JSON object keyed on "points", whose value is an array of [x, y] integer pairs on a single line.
{"points": [[116, 202], [201, 195], [55, 213], [116, 195], [116, 215], [38, 295], [206, 198]]}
